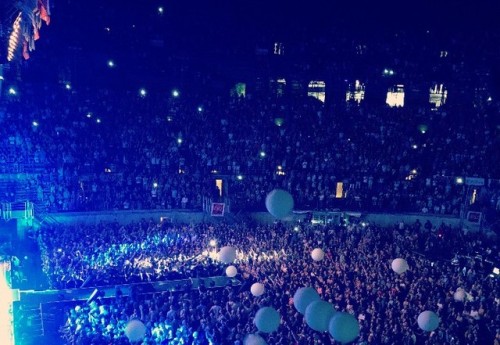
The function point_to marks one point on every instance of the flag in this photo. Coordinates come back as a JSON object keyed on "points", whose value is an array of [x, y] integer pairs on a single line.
{"points": [[26, 55], [43, 7]]}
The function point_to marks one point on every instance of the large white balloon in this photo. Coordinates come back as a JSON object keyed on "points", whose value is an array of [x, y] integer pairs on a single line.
{"points": [[135, 330], [318, 315], [253, 339], [231, 271], [227, 254], [399, 266], [343, 327], [318, 254], [279, 203], [428, 321], [257, 289], [459, 295], [267, 320], [303, 297]]}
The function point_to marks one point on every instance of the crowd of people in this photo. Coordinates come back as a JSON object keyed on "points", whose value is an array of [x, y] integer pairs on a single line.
{"points": [[355, 276], [110, 150]]}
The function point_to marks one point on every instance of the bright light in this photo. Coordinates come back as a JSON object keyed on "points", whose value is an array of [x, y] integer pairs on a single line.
{"points": [[142, 92], [155, 184], [317, 89], [68, 86], [396, 96], [414, 146], [262, 154], [459, 180], [200, 109], [89, 115], [111, 63], [175, 93], [296, 228], [388, 71], [160, 10], [239, 177], [35, 124], [6, 320], [12, 91], [414, 171], [355, 92], [214, 171], [170, 118], [179, 141], [213, 243], [496, 270], [98, 120]]}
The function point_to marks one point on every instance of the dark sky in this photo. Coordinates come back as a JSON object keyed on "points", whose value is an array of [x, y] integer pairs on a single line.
{"points": [[201, 28]]}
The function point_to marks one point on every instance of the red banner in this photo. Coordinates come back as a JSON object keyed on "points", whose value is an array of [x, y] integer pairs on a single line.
{"points": [[217, 209]]}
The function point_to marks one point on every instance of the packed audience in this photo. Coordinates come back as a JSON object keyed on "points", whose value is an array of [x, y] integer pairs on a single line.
{"points": [[355, 276], [122, 151]]}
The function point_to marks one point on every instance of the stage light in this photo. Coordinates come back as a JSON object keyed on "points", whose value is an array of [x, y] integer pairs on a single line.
{"points": [[89, 115], [155, 184], [200, 109], [262, 154], [142, 92], [179, 141], [35, 124], [6, 299], [239, 177], [175, 93], [68, 86], [111, 64], [213, 243], [98, 120], [160, 10], [12, 91], [459, 180]]}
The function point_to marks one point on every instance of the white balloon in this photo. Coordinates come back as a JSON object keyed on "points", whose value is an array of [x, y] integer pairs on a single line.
{"points": [[318, 315], [135, 330], [257, 289], [231, 271], [318, 254], [343, 327], [459, 295], [279, 203], [267, 320], [428, 321], [303, 297], [399, 266], [227, 254], [253, 339]]}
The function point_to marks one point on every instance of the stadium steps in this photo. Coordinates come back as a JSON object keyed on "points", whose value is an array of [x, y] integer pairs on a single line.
{"points": [[30, 324], [52, 316]]}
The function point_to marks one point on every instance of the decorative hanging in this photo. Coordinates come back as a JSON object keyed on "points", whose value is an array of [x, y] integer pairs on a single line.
{"points": [[27, 25]]}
